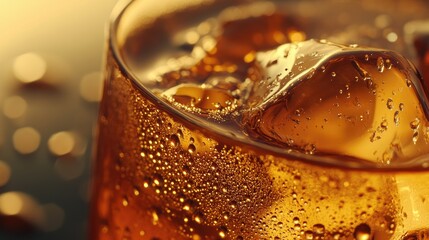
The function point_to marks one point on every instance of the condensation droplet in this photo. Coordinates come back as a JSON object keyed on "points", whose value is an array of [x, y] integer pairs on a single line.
{"points": [[319, 229], [222, 232], [389, 103], [362, 232], [384, 124], [396, 118], [191, 148], [380, 64]]}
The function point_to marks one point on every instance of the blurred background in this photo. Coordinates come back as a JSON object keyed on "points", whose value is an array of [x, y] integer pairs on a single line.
{"points": [[50, 60]]}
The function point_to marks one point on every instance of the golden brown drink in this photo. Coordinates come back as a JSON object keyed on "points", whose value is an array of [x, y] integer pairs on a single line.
{"points": [[224, 122]]}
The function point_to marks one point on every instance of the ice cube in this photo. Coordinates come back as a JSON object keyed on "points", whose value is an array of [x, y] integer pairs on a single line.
{"points": [[327, 98]]}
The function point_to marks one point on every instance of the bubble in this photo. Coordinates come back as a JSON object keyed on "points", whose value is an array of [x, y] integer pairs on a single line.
{"points": [[26, 140], [389, 103], [380, 64], [319, 229], [198, 217], [174, 140], [222, 232], [14, 107], [125, 202], [396, 118], [415, 124], [136, 191], [91, 87], [191, 148], [362, 232], [308, 235], [155, 218], [29, 67]]}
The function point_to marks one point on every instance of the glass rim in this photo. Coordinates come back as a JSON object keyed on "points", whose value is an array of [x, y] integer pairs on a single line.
{"points": [[334, 161]]}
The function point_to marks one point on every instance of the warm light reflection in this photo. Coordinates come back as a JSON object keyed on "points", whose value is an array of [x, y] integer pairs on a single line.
{"points": [[29, 67], [61, 143], [392, 37], [11, 203], [91, 87], [14, 107], [5, 173], [26, 140]]}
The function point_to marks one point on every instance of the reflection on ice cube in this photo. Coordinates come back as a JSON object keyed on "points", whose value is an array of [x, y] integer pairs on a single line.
{"points": [[327, 98]]}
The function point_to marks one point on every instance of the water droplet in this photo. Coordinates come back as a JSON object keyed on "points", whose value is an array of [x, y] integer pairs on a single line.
{"points": [[333, 74], [388, 64], [222, 232], [296, 220], [409, 83], [125, 202], [308, 235], [319, 229], [396, 118], [366, 57], [191, 148], [362, 232], [384, 124], [174, 140], [380, 64], [136, 191], [415, 124], [155, 218]]}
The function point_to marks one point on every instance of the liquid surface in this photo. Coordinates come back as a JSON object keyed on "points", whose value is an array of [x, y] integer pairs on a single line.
{"points": [[266, 84]]}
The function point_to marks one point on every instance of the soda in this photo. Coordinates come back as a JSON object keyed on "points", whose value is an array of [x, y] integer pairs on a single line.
{"points": [[240, 128]]}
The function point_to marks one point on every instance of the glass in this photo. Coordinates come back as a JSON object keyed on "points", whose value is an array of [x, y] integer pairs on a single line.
{"points": [[172, 167]]}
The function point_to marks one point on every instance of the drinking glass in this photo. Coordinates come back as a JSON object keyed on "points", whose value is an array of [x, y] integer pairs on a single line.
{"points": [[163, 172]]}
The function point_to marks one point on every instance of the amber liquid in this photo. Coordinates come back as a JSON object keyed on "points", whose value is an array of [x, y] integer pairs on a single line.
{"points": [[163, 175]]}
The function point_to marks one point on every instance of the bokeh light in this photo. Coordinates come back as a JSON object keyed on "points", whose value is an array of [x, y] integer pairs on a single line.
{"points": [[29, 67], [61, 143], [91, 87], [5, 173], [26, 140], [14, 107]]}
